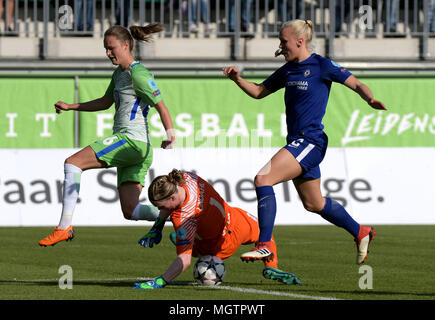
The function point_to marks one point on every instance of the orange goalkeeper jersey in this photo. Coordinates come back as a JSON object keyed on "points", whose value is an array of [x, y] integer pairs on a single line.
{"points": [[205, 218]]}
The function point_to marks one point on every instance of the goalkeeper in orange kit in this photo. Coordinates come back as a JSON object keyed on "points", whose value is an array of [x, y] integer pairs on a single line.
{"points": [[205, 225]]}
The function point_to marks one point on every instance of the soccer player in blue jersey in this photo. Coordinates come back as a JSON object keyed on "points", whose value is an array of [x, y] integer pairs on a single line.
{"points": [[134, 92], [307, 80]]}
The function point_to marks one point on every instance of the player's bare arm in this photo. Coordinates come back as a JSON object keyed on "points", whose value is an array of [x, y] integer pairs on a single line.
{"points": [[102, 103], [252, 89], [365, 93], [167, 124], [181, 263]]}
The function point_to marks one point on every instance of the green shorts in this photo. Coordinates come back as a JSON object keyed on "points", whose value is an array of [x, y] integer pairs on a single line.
{"points": [[132, 158]]}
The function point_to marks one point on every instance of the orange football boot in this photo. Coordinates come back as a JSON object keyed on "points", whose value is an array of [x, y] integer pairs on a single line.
{"points": [[57, 235], [365, 236]]}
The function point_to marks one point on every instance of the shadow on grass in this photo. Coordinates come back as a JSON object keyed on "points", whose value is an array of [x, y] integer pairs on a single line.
{"points": [[367, 293], [273, 286], [96, 282], [55, 283]]}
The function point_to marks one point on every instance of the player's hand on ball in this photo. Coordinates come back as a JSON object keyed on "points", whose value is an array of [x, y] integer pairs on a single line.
{"points": [[154, 236]]}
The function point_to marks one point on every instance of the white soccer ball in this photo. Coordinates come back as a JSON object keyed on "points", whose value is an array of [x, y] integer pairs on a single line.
{"points": [[209, 270]]}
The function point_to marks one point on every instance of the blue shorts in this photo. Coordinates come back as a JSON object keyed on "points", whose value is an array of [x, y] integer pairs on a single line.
{"points": [[309, 155]]}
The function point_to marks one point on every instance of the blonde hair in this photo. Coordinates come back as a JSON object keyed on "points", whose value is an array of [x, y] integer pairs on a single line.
{"points": [[300, 28], [165, 186], [133, 33]]}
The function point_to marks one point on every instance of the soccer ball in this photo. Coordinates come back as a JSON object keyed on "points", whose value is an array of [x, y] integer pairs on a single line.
{"points": [[209, 270]]}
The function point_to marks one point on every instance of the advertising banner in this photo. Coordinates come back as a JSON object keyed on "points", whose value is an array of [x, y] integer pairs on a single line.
{"points": [[27, 115], [216, 113], [367, 181], [226, 137], [409, 121]]}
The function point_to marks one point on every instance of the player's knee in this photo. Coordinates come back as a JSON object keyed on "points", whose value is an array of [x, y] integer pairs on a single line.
{"points": [[68, 160], [260, 181], [72, 160], [313, 206]]}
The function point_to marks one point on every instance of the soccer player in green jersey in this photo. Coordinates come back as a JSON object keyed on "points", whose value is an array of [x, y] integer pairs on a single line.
{"points": [[134, 92]]}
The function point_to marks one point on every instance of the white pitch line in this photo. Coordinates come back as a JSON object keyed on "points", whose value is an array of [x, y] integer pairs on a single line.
{"points": [[229, 288], [274, 293]]}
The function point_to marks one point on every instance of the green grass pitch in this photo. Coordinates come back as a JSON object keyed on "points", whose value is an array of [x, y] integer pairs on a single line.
{"points": [[106, 261]]}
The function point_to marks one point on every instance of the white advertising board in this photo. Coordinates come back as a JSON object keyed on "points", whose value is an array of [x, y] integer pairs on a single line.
{"points": [[377, 185]]}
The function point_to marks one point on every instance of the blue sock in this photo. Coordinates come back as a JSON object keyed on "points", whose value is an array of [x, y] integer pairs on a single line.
{"points": [[335, 213], [266, 212]]}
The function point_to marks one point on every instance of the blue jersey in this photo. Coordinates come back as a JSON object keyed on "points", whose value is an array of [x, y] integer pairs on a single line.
{"points": [[307, 85]]}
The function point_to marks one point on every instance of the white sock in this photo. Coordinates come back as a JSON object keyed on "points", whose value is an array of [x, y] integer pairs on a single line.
{"points": [[145, 212], [71, 188]]}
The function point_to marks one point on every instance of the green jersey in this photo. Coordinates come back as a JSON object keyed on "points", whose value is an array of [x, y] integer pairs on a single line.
{"points": [[134, 92]]}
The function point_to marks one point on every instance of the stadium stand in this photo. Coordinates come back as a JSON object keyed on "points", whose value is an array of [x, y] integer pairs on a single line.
{"points": [[376, 31]]}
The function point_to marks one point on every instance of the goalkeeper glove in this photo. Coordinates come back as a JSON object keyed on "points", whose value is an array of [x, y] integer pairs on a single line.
{"points": [[154, 236], [157, 283]]}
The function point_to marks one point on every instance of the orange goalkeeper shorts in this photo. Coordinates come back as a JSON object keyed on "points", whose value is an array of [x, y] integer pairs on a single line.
{"points": [[242, 229]]}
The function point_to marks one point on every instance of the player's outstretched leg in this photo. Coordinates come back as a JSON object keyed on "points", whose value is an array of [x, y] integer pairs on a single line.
{"points": [[57, 235], [280, 275], [365, 236], [335, 213], [262, 251], [71, 188]]}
